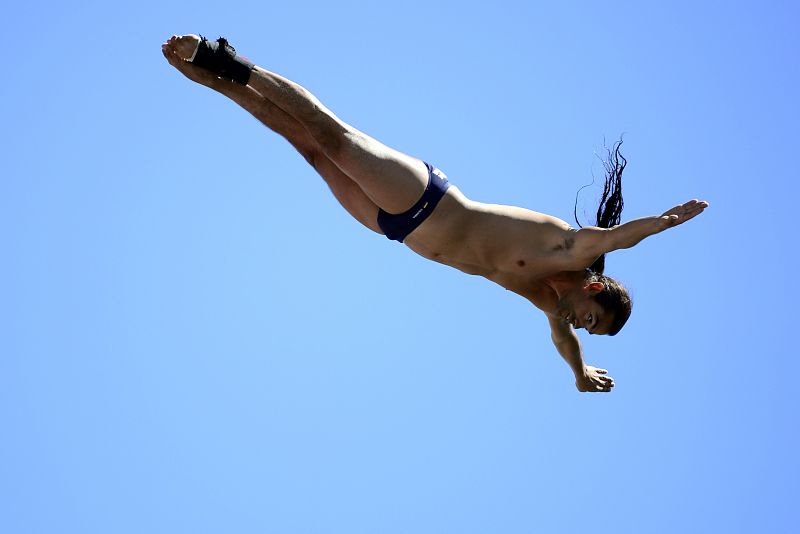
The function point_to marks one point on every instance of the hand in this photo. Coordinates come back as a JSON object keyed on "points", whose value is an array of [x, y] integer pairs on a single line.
{"points": [[594, 379], [682, 213]]}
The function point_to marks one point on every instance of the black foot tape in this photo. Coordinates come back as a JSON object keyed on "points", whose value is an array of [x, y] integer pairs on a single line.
{"points": [[220, 57]]}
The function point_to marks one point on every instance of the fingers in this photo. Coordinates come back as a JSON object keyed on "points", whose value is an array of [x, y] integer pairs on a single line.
{"points": [[692, 209], [603, 380], [605, 384], [596, 383], [597, 390], [695, 206], [684, 212]]}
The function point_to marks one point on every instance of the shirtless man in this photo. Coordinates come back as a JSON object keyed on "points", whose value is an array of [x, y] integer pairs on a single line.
{"points": [[535, 255]]}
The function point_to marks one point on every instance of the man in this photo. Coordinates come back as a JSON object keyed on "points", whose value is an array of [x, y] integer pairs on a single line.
{"points": [[535, 255]]}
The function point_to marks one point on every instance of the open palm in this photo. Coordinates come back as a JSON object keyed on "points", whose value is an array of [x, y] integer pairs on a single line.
{"points": [[683, 212]]}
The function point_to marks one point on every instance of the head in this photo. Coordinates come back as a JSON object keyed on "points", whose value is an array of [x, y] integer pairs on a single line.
{"points": [[601, 299], [597, 303], [609, 212]]}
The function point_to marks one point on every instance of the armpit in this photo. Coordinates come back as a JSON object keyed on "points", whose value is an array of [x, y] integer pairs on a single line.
{"points": [[568, 242]]}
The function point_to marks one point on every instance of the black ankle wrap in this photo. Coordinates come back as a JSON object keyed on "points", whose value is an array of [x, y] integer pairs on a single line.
{"points": [[220, 57]]}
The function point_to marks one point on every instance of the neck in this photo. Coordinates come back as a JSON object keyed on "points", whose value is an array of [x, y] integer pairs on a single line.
{"points": [[565, 281]]}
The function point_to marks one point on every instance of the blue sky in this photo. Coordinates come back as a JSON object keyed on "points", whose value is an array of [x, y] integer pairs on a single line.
{"points": [[195, 337]]}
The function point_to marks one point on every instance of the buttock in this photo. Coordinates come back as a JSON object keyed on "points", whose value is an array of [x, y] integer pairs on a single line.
{"points": [[398, 226]]}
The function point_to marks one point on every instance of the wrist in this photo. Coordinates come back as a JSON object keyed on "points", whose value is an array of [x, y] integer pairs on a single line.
{"points": [[579, 371], [663, 222]]}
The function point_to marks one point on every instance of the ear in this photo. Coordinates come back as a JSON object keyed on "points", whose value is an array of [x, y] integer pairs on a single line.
{"points": [[594, 288]]}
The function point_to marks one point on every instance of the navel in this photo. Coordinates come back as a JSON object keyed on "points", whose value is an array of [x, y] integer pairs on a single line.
{"points": [[520, 263]]}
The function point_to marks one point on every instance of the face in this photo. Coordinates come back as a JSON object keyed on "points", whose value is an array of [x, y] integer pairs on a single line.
{"points": [[579, 309]]}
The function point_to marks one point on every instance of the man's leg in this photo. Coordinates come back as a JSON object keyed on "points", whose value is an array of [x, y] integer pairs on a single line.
{"points": [[346, 191], [394, 181]]}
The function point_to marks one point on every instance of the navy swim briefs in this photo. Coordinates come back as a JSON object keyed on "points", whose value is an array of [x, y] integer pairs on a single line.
{"points": [[397, 227]]}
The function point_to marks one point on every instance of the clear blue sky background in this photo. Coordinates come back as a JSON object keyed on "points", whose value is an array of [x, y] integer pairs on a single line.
{"points": [[194, 336]]}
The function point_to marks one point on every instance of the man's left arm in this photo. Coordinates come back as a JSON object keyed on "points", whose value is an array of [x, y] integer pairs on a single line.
{"points": [[591, 242], [587, 378]]}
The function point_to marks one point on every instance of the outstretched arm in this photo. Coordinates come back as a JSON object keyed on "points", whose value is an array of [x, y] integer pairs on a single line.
{"points": [[587, 378], [591, 242]]}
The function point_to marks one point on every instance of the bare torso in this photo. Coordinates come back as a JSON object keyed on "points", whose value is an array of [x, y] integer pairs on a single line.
{"points": [[511, 246]]}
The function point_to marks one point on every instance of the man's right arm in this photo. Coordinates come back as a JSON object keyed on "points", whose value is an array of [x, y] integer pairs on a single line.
{"points": [[587, 378]]}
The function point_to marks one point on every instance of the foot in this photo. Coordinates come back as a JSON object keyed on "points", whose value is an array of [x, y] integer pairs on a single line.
{"points": [[184, 45], [217, 57], [178, 49]]}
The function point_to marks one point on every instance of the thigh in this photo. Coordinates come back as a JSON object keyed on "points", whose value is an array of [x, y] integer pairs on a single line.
{"points": [[347, 192], [392, 180]]}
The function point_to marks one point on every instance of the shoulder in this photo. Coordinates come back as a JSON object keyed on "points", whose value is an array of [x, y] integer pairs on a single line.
{"points": [[579, 248], [566, 239]]}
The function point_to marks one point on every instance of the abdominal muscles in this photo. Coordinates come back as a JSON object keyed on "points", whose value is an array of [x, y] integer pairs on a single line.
{"points": [[489, 240], [446, 237]]}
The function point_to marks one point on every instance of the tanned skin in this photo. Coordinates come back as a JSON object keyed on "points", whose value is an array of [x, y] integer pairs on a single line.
{"points": [[537, 256]]}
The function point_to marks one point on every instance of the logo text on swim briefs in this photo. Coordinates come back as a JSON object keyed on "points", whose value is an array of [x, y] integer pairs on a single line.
{"points": [[420, 211]]}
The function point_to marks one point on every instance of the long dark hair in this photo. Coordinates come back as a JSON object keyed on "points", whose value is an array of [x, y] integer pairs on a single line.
{"points": [[609, 212], [614, 298]]}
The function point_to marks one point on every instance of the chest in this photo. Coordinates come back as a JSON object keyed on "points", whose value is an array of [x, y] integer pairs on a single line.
{"points": [[538, 293]]}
